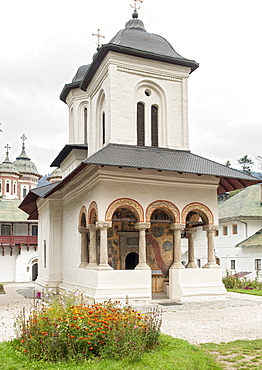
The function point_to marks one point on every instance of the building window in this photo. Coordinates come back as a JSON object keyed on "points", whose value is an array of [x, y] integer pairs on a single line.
{"points": [[7, 187], [24, 192], [233, 264], [34, 230], [5, 230], [44, 253], [104, 128], [140, 121], [234, 229], [225, 230], [85, 125], [217, 233], [154, 126], [258, 264]]}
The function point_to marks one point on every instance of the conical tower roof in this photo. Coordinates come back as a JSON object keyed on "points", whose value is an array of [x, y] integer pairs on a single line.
{"points": [[7, 166], [24, 164]]}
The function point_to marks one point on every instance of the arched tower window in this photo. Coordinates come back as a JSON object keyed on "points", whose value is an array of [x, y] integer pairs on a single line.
{"points": [[154, 126], [85, 125], [140, 124], [103, 128]]}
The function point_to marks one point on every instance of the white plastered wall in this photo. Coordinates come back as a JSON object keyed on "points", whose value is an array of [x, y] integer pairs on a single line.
{"points": [[104, 186], [123, 80]]}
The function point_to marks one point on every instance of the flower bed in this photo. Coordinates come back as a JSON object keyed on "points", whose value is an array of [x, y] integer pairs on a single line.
{"points": [[63, 330]]}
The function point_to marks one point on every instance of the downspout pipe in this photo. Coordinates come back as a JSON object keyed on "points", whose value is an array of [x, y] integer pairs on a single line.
{"points": [[245, 226]]}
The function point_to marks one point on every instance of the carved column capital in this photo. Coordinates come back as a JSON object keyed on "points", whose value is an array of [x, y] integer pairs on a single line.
{"points": [[177, 226], [103, 225], [191, 230], [142, 225], [91, 227], [82, 229], [210, 228]]}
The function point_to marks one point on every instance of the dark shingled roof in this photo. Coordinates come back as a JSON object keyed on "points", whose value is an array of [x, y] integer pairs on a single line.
{"points": [[159, 159], [132, 40], [65, 151], [169, 160], [28, 205]]}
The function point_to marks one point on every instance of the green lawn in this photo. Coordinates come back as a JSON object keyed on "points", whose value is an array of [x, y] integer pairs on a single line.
{"points": [[246, 291], [240, 354], [175, 354]]}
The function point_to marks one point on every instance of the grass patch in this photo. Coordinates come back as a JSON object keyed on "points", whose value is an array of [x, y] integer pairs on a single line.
{"points": [[240, 354], [172, 353], [246, 291]]}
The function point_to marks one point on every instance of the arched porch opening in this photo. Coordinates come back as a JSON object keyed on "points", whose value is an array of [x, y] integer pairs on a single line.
{"points": [[83, 237], [123, 238], [162, 215], [197, 215]]}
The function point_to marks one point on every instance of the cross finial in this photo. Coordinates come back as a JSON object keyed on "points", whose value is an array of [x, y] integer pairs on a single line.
{"points": [[7, 147], [23, 137], [98, 34], [136, 7]]}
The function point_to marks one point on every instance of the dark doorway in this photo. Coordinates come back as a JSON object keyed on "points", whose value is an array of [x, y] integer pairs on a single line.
{"points": [[131, 261], [34, 271]]}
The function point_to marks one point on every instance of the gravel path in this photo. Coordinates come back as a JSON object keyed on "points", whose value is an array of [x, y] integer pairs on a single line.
{"points": [[237, 317]]}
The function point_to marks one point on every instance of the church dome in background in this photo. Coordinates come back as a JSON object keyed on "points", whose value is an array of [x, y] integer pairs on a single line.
{"points": [[55, 176], [24, 164], [7, 167]]}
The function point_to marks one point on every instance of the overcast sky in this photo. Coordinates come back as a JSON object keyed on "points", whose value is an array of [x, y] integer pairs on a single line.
{"points": [[44, 42]]}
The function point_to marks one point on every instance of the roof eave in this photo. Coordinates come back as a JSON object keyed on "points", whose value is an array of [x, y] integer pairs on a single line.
{"points": [[67, 88], [130, 51], [65, 152]]}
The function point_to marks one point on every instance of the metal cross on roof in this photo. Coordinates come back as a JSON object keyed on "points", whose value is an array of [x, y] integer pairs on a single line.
{"points": [[136, 7], [7, 147], [24, 138], [98, 34]]}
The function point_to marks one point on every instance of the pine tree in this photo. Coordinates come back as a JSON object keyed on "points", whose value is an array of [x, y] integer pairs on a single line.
{"points": [[246, 163]]}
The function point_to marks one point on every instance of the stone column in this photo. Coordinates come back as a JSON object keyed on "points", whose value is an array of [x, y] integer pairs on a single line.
{"points": [[103, 226], [92, 246], [191, 248], [84, 254], [142, 226], [211, 262], [177, 228]]}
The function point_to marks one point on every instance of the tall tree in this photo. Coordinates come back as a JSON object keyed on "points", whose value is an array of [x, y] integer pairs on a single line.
{"points": [[246, 163], [259, 160]]}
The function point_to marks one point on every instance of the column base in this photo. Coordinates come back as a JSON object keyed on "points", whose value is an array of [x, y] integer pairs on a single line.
{"points": [[103, 267], [211, 265], [191, 265], [91, 266], [142, 266], [83, 264], [177, 265]]}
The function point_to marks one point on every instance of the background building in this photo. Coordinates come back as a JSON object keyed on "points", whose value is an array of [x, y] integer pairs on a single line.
{"points": [[18, 236]]}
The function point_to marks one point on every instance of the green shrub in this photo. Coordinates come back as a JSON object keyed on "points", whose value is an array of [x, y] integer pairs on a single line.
{"points": [[2, 291], [65, 329], [230, 281]]}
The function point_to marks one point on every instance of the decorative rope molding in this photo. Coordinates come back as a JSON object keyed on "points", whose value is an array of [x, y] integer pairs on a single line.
{"points": [[143, 73]]}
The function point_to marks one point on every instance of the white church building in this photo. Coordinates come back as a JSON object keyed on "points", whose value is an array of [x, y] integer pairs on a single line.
{"points": [[112, 226]]}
